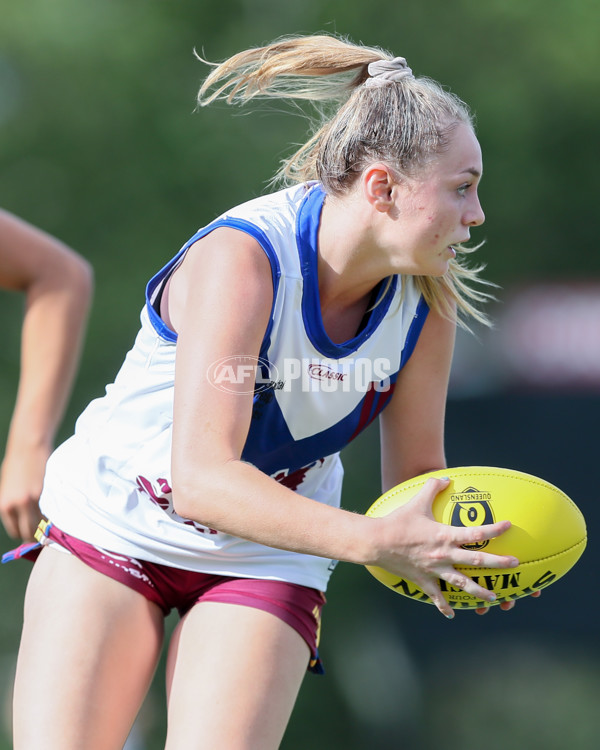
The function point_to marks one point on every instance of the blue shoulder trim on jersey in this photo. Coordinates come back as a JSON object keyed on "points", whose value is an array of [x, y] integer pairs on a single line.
{"points": [[414, 331], [307, 228], [158, 323]]}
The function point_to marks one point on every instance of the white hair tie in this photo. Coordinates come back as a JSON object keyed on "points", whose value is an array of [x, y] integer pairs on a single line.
{"points": [[387, 71]]}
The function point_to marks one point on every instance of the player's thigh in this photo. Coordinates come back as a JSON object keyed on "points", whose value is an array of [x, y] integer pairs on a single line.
{"points": [[233, 677], [88, 652]]}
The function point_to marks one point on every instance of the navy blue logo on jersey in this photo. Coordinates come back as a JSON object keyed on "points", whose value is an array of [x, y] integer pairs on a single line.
{"points": [[471, 507]]}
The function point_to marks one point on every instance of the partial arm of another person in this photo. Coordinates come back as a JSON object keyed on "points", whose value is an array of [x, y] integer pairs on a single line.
{"points": [[219, 302], [57, 284]]}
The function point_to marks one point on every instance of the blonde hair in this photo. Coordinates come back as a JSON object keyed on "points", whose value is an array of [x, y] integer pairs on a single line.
{"points": [[405, 123]]}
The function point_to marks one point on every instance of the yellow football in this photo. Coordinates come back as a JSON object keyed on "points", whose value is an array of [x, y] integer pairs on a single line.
{"points": [[548, 532]]}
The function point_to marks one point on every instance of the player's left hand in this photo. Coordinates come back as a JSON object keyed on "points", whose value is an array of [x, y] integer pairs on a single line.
{"points": [[21, 480]]}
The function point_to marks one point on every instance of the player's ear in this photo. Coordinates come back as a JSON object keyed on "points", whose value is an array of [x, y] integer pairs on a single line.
{"points": [[378, 183]]}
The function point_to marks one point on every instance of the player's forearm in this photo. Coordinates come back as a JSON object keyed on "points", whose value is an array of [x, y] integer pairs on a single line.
{"points": [[239, 499], [53, 328]]}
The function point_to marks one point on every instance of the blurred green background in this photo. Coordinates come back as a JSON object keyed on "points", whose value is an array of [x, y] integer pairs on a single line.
{"points": [[101, 146]]}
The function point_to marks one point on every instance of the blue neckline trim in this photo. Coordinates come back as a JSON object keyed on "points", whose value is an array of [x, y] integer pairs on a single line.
{"points": [[307, 230]]}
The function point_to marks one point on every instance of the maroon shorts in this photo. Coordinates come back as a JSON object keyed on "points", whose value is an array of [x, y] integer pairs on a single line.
{"points": [[173, 588]]}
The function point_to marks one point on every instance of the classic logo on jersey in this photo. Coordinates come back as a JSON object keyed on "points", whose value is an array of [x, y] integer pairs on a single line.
{"points": [[322, 371], [471, 507], [356, 374]]}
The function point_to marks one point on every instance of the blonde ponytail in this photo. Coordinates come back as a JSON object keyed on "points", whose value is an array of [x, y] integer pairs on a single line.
{"points": [[403, 120], [315, 68]]}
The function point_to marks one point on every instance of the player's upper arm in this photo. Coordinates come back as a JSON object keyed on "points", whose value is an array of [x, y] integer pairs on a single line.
{"points": [[220, 303]]}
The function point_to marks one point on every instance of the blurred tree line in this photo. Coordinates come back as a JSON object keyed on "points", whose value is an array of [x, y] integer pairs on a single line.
{"points": [[100, 144]]}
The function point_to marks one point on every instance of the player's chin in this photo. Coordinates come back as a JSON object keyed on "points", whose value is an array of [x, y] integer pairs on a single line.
{"points": [[442, 266], [435, 271]]}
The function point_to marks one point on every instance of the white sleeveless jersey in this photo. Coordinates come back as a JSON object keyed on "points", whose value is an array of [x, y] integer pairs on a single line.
{"points": [[110, 484]]}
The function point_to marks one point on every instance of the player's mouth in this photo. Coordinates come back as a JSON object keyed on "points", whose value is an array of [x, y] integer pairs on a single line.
{"points": [[452, 247]]}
